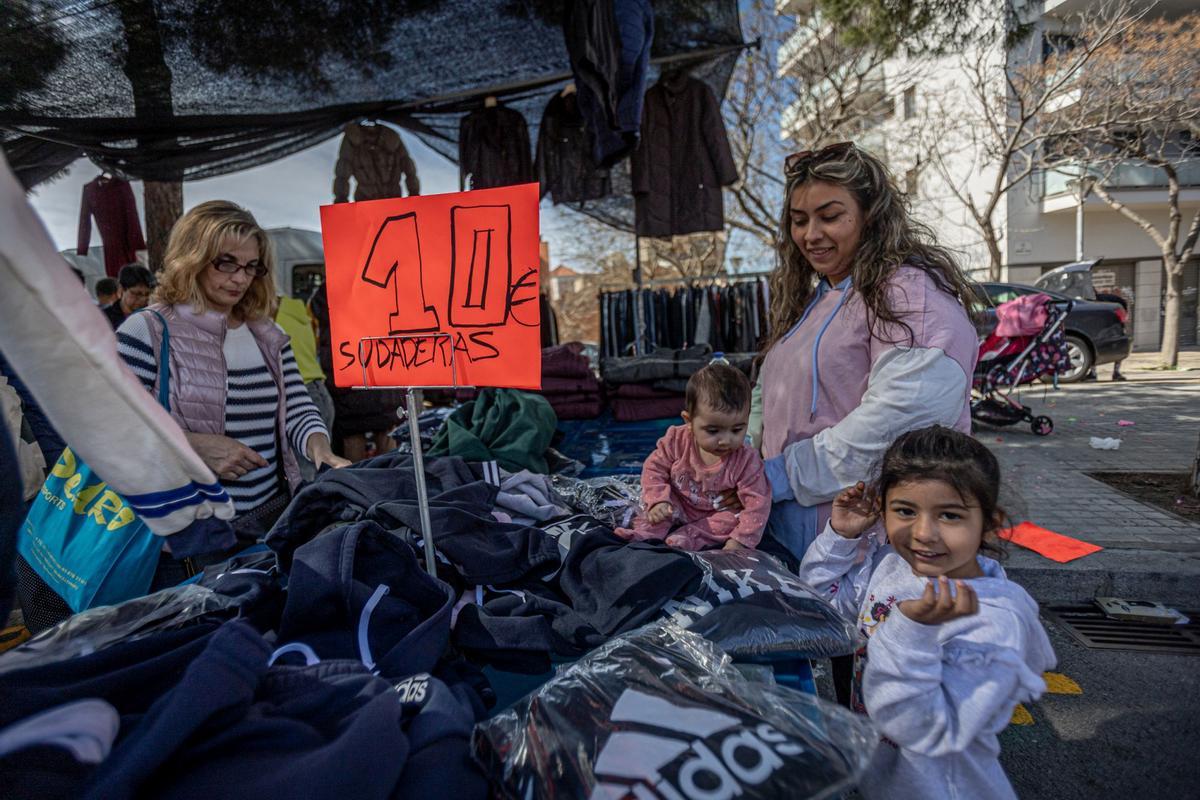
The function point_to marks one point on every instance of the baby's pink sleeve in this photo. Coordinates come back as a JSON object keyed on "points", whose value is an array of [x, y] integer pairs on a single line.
{"points": [[656, 472], [755, 494]]}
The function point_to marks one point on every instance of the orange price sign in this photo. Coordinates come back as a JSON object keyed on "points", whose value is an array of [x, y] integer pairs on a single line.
{"points": [[436, 290]]}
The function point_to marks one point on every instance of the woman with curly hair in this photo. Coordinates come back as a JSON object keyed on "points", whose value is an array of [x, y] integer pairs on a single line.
{"points": [[869, 336]]}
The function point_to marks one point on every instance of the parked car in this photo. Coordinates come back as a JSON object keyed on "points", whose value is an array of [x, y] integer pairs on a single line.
{"points": [[1096, 332]]}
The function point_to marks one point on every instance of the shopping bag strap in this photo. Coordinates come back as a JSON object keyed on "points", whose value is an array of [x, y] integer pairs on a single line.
{"points": [[164, 363]]}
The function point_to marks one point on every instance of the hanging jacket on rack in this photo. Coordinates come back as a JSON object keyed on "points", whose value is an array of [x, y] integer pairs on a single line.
{"points": [[493, 149], [566, 168], [683, 160], [729, 318], [608, 42], [375, 156], [110, 201]]}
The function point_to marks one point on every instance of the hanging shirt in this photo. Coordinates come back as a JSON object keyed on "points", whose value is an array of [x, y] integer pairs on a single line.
{"points": [[110, 201], [566, 168], [683, 160], [493, 149], [375, 156]]}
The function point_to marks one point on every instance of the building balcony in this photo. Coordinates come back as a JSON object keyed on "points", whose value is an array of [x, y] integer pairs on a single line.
{"points": [[794, 7], [808, 36], [1134, 183], [798, 119]]}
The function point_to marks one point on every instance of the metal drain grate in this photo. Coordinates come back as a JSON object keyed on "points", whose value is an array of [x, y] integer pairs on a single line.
{"points": [[1089, 625]]}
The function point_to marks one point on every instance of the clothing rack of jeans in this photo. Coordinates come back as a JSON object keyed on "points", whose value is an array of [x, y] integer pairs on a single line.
{"points": [[728, 312]]}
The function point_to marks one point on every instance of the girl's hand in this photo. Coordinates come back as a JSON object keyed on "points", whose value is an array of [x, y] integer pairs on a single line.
{"points": [[734, 544], [854, 510], [936, 606], [659, 512]]}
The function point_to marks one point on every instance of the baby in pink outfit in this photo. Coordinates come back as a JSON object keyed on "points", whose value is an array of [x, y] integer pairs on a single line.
{"points": [[694, 464]]}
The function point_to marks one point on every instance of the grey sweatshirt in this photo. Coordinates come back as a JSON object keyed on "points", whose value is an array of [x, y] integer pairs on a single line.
{"points": [[940, 694]]}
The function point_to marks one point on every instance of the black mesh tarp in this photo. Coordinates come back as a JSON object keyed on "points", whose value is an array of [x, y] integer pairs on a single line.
{"points": [[186, 89]]}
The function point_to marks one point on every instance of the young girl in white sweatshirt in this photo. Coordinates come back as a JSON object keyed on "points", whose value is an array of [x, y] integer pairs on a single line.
{"points": [[952, 645]]}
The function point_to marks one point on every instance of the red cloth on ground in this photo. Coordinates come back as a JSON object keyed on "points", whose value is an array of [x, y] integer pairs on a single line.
{"points": [[1054, 546]]}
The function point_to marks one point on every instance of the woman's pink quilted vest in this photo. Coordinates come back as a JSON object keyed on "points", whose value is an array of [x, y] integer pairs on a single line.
{"points": [[199, 380]]}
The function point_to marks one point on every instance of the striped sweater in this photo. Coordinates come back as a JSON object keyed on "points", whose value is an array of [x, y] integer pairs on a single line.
{"points": [[250, 404]]}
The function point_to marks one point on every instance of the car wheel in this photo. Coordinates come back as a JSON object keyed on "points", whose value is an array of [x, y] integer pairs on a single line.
{"points": [[1080, 353]]}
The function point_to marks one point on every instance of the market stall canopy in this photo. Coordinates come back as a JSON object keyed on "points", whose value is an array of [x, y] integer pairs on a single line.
{"points": [[186, 89]]}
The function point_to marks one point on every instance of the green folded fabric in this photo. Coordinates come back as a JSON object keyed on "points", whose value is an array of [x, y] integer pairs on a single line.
{"points": [[510, 427]]}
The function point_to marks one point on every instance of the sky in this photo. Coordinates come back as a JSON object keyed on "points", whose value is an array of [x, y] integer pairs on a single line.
{"points": [[284, 193], [287, 192]]}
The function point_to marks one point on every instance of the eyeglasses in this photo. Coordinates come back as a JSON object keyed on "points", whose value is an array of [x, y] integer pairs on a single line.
{"points": [[229, 266], [799, 163]]}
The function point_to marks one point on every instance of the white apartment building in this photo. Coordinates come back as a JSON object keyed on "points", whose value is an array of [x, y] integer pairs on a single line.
{"points": [[1038, 218]]}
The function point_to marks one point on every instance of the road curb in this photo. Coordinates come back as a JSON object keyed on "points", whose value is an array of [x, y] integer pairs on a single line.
{"points": [[1170, 578]]}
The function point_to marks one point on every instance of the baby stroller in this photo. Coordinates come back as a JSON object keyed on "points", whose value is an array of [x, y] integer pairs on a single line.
{"points": [[1027, 344]]}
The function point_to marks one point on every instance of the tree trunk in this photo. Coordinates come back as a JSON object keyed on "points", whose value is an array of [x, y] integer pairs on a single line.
{"points": [[151, 81], [1172, 309], [164, 205], [1196, 471], [996, 258]]}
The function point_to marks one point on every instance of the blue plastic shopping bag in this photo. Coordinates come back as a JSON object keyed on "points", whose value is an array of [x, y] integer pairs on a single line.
{"points": [[83, 539]]}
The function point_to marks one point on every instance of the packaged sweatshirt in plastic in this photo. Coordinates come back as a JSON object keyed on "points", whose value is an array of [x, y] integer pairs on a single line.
{"points": [[103, 626], [751, 607], [613, 500], [661, 714]]}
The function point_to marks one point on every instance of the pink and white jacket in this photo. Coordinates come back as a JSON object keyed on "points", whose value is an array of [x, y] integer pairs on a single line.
{"points": [[835, 396]]}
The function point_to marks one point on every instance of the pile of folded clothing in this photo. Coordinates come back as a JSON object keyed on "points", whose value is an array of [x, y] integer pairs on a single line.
{"points": [[653, 386], [569, 384]]}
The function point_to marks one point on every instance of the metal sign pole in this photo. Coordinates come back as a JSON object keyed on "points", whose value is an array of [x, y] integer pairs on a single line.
{"points": [[414, 436], [639, 324], [412, 411]]}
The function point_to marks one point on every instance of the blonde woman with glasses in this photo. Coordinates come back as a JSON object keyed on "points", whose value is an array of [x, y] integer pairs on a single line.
{"points": [[235, 388]]}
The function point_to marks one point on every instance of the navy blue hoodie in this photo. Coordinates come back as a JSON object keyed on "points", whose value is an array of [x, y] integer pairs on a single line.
{"points": [[235, 728], [358, 592]]}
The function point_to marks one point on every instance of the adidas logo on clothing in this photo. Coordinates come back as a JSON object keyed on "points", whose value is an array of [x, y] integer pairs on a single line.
{"points": [[413, 689], [673, 752], [720, 586]]}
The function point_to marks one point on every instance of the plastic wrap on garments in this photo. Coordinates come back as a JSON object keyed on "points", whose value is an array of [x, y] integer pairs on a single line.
{"points": [[755, 610], [100, 627], [613, 500], [662, 713], [429, 422]]}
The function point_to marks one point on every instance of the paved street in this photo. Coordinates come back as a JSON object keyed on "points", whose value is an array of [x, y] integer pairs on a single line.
{"points": [[1131, 733], [1132, 729], [1149, 552], [1047, 476]]}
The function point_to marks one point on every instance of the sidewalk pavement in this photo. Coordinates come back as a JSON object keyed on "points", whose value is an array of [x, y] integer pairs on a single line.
{"points": [[1145, 367], [1149, 553]]}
